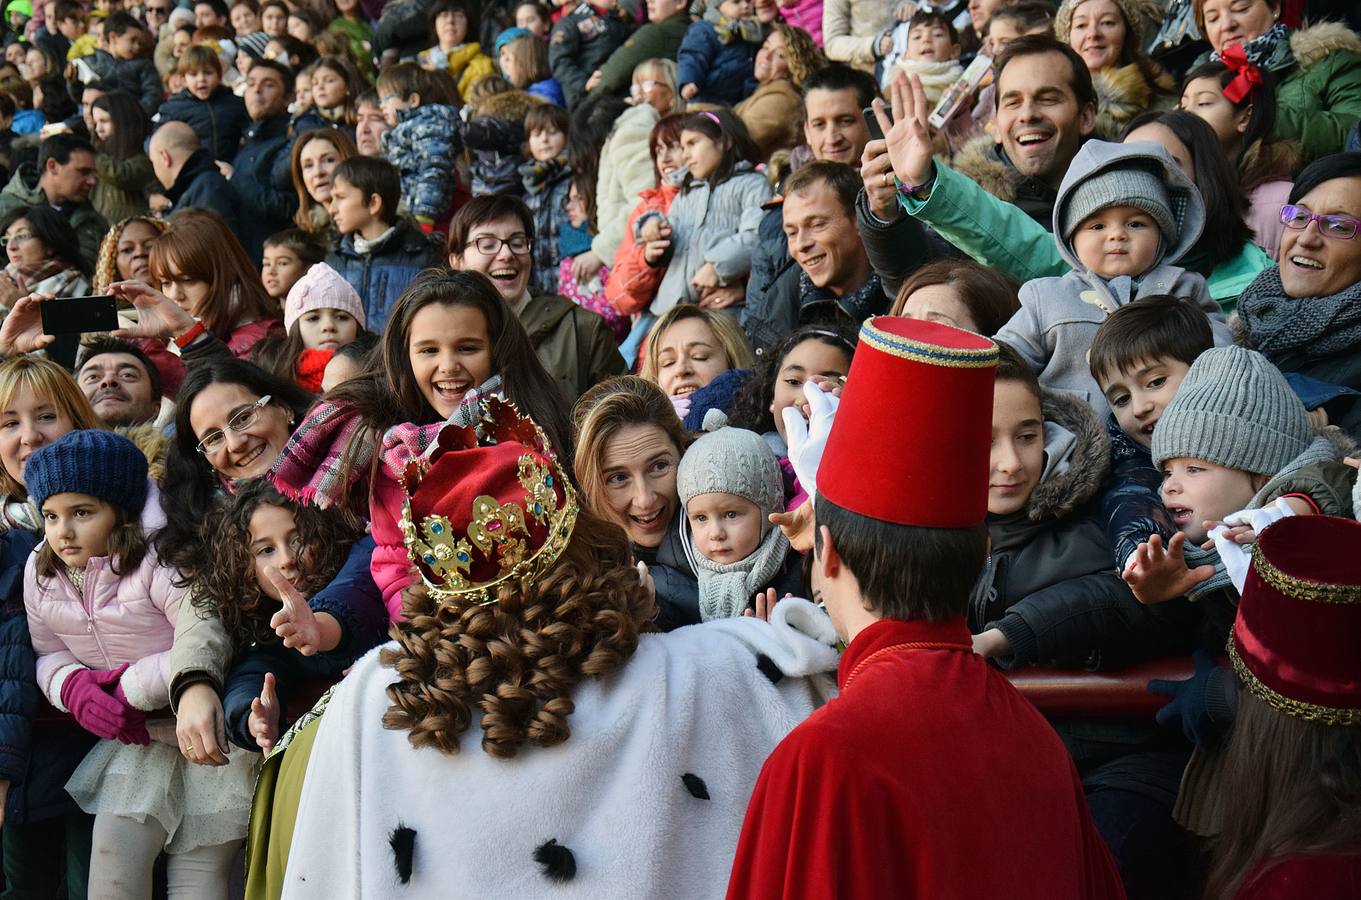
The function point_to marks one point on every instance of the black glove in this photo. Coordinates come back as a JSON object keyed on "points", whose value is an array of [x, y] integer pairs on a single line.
{"points": [[1206, 703]]}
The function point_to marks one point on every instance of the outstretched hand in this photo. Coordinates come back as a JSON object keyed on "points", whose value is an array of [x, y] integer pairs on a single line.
{"points": [[295, 622], [22, 331], [908, 133], [797, 525], [157, 315], [263, 721], [765, 605], [1156, 574]]}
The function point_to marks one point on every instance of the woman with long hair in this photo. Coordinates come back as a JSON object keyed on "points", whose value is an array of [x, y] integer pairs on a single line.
{"points": [[450, 342], [201, 266], [1288, 777], [316, 153], [1109, 36], [124, 169], [1266, 164], [519, 683], [774, 111]]}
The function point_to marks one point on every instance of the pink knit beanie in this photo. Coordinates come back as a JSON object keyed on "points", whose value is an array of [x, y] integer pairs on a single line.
{"points": [[321, 288]]}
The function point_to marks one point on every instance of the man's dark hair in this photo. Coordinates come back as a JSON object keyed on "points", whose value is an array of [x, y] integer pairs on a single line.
{"points": [[1147, 329], [121, 23], [905, 571], [931, 17], [844, 181], [1037, 44], [1334, 165], [68, 9], [219, 8], [98, 346], [277, 65], [1028, 15], [59, 147], [840, 77], [373, 176]]}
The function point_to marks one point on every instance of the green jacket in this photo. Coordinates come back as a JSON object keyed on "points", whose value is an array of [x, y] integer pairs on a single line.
{"points": [[89, 225], [1318, 99], [653, 40], [1000, 235], [121, 189], [574, 344]]}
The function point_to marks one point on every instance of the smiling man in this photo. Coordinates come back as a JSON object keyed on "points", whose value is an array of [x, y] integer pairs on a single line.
{"points": [[120, 382], [833, 275]]}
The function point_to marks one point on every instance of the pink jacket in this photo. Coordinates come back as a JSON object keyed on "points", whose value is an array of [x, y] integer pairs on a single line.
{"points": [[114, 620], [805, 14], [390, 566]]}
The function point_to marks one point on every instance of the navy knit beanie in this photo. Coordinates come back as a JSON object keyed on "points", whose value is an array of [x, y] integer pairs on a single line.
{"points": [[99, 463]]}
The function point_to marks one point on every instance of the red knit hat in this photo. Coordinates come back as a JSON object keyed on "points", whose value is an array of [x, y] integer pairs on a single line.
{"points": [[912, 436], [488, 505], [1294, 640]]}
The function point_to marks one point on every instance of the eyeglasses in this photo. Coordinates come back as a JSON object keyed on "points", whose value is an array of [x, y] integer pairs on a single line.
{"points": [[488, 245], [214, 441], [1343, 228], [637, 90], [15, 240]]}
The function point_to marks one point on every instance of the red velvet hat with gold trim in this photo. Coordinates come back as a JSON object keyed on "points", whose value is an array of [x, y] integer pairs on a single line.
{"points": [[912, 435], [487, 506], [1294, 642]]}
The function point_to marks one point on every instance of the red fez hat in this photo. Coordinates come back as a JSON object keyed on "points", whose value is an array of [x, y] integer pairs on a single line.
{"points": [[487, 506], [1294, 640], [912, 436]]}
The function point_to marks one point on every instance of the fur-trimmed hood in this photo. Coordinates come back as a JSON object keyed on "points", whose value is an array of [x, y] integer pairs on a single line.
{"points": [[150, 438], [512, 106], [1077, 457], [981, 161], [1123, 93], [1314, 43]]}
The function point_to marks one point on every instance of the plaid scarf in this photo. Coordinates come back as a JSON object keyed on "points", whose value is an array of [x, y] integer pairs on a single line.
{"points": [[25, 277], [314, 465], [537, 174]]}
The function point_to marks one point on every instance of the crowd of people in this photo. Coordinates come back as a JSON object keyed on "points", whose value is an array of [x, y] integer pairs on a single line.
{"points": [[554, 353]]}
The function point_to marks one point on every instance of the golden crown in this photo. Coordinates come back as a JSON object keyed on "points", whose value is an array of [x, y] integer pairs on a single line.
{"points": [[497, 531]]}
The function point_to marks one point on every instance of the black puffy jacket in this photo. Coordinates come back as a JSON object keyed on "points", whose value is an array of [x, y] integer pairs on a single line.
{"points": [[264, 183], [1050, 584], [218, 121]]}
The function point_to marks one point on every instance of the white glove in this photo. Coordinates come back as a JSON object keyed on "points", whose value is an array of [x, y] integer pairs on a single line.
{"points": [[808, 439], [1238, 557]]}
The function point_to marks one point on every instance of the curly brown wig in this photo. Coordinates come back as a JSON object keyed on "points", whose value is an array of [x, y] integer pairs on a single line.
{"points": [[519, 659], [229, 588]]}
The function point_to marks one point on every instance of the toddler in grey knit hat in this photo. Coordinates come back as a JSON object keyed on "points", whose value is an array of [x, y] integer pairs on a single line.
{"points": [[729, 483]]}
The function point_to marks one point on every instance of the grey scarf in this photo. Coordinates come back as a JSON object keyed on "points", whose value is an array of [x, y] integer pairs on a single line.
{"points": [[725, 590], [1290, 330]]}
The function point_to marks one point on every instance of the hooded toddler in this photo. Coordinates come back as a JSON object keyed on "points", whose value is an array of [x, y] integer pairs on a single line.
{"points": [[729, 483]]}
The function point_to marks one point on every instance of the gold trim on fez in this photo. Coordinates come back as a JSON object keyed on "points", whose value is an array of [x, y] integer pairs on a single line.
{"points": [[930, 354], [1312, 712], [1300, 588]]}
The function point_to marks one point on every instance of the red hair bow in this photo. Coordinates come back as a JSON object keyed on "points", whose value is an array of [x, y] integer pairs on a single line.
{"points": [[1246, 77]]}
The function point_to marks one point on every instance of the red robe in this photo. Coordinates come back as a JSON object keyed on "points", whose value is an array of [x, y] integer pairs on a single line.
{"points": [[930, 776], [1329, 877]]}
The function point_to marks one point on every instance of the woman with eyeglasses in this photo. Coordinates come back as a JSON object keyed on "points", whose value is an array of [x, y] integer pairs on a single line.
{"points": [[1304, 313], [42, 255], [495, 236]]}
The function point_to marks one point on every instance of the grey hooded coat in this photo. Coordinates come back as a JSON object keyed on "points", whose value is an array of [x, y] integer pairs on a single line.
{"points": [[1059, 316]]}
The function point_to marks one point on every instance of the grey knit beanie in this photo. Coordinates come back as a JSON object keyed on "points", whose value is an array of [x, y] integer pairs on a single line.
{"points": [[731, 461], [1135, 186], [1236, 410]]}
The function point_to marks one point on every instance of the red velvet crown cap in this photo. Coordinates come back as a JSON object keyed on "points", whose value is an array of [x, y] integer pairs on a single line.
{"points": [[1294, 641], [912, 436]]}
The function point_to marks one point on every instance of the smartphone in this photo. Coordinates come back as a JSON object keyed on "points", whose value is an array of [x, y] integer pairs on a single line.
{"points": [[78, 315], [872, 123]]}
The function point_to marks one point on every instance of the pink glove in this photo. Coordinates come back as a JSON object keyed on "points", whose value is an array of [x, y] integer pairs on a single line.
{"points": [[88, 694], [135, 732]]}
